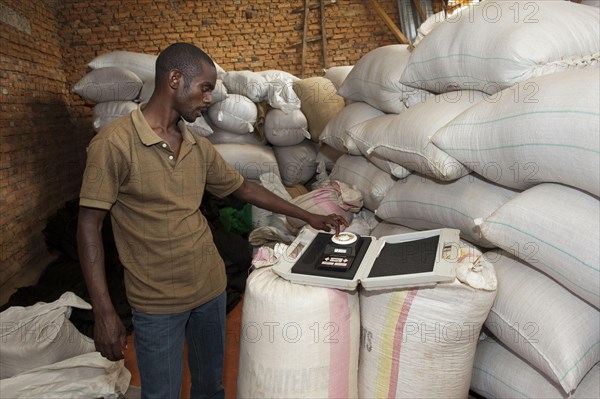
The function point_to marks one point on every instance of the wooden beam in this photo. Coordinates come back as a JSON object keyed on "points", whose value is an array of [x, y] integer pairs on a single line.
{"points": [[417, 4], [388, 21], [323, 34], [304, 34]]}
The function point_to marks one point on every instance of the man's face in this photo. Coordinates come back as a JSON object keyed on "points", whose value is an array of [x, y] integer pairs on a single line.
{"points": [[194, 97]]}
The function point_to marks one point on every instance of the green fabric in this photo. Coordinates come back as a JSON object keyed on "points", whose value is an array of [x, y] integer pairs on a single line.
{"points": [[237, 221]]}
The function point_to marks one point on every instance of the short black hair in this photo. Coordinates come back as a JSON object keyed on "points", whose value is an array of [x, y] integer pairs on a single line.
{"points": [[186, 58]]}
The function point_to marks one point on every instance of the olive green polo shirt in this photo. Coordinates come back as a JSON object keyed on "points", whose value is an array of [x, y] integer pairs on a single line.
{"points": [[164, 242]]}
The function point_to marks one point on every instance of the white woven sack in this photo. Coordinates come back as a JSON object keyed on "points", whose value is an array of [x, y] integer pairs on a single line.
{"points": [[422, 203], [147, 90], [236, 114], [85, 376], [143, 65], [297, 341], [246, 83], [335, 132], [200, 127], [262, 217], [328, 155], [220, 70], [104, 113], [555, 229], [375, 79], [361, 174], [249, 160], [405, 138], [496, 44], [40, 335], [297, 163], [285, 128], [544, 130], [221, 136], [498, 373], [387, 229], [433, 22], [337, 74], [280, 93], [109, 84], [337, 197], [420, 343], [542, 322]]}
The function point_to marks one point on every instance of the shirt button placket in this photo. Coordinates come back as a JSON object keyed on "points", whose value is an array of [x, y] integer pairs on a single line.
{"points": [[166, 147]]}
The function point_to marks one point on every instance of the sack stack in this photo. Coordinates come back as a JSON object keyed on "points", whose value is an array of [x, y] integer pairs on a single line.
{"points": [[273, 109], [500, 132], [490, 125]]}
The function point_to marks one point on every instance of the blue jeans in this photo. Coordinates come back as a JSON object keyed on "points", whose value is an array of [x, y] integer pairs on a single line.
{"points": [[159, 347]]}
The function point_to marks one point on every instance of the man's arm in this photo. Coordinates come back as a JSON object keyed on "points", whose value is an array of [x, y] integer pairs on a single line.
{"points": [[109, 333], [263, 198]]}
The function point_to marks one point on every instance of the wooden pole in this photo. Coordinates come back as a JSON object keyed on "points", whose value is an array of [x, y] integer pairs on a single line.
{"points": [[304, 34], [417, 4], [388, 21], [323, 34]]}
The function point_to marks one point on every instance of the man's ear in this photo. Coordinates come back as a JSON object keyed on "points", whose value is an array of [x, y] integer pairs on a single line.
{"points": [[175, 79]]}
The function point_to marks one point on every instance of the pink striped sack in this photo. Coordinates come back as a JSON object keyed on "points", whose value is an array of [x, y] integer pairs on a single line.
{"points": [[297, 341], [420, 343]]}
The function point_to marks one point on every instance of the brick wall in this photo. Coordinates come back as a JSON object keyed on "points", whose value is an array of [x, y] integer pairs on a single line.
{"points": [[46, 45], [239, 34], [41, 154]]}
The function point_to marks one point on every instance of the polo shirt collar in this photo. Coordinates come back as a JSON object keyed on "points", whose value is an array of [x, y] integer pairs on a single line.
{"points": [[148, 136]]}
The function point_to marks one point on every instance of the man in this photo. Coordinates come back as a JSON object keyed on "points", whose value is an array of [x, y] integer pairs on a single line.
{"points": [[150, 173]]}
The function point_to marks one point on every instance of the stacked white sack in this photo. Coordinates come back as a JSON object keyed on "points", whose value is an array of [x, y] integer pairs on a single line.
{"points": [[555, 229], [249, 160], [285, 128], [235, 114], [375, 79], [543, 323], [221, 136], [423, 203], [337, 74], [420, 343], [405, 138], [297, 163], [335, 132], [297, 341], [494, 45], [365, 177], [143, 65], [120, 80], [113, 89], [499, 373], [247, 84], [544, 130]]}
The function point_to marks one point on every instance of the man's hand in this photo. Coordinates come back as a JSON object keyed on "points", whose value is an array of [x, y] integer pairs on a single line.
{"points": [[110, 336], [326, 222]]}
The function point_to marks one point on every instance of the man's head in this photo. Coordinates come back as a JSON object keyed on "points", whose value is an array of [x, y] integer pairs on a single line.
{"points": [[190, 74], [184, 57]]}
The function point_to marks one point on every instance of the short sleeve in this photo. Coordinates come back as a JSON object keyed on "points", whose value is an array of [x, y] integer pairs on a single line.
{"points": [[222, 178], [104, 172]]}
